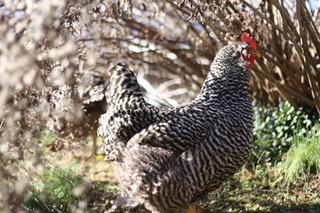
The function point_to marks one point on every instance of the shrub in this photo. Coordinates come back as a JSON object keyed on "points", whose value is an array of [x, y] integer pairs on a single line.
{"points": [[274, 130]]}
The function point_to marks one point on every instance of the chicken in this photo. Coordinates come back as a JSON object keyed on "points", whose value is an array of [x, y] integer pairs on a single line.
{"points": [[167, 158]]}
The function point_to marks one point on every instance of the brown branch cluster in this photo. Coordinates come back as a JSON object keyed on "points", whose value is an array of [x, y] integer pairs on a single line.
{"points": [[182, 37]]}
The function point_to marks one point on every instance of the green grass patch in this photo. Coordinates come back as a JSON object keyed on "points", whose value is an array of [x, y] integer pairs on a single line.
{"points": [[47, 137], [259, 192], [57, 190], [303, 158]]}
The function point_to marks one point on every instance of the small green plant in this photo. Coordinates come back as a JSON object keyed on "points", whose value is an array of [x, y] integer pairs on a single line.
{"points": [[47, 137], [57, 190], [274, 129], [303, 157]]}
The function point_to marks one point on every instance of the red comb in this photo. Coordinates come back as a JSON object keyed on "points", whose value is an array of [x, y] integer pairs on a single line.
{"points": [[249, 56], [247, 38]]}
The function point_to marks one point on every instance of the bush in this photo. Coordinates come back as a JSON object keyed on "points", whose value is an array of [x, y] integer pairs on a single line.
{"points": [[274, 130], [56, 190]]}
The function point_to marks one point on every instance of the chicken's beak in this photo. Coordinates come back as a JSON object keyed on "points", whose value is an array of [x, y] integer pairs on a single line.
{"points": [[257, 54]]}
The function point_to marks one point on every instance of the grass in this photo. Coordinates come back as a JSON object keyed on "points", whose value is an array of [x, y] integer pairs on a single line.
{"points": [[248, 191], [259, 191], [303, 158], [56, 190], [92, 187]]}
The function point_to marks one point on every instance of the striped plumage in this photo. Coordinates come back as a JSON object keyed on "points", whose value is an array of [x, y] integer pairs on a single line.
{"points": [[169, 157], [128, 113]]}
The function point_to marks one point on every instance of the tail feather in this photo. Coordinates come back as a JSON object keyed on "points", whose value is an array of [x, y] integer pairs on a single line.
{"points": [[123, 86], [128, 113]]}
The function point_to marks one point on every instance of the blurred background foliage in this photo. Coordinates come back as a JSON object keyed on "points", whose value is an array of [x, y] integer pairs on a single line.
{"points": [[48, 46]]}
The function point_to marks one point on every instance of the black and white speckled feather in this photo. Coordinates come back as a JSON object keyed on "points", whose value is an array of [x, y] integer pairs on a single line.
{"points": [[128, 113], [170, 157]]}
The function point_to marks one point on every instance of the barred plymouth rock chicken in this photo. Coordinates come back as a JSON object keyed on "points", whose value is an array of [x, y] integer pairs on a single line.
{"points": [[167, 158]]}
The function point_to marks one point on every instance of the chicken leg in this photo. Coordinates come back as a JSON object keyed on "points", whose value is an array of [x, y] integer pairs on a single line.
{"points": [[191, 209]]}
